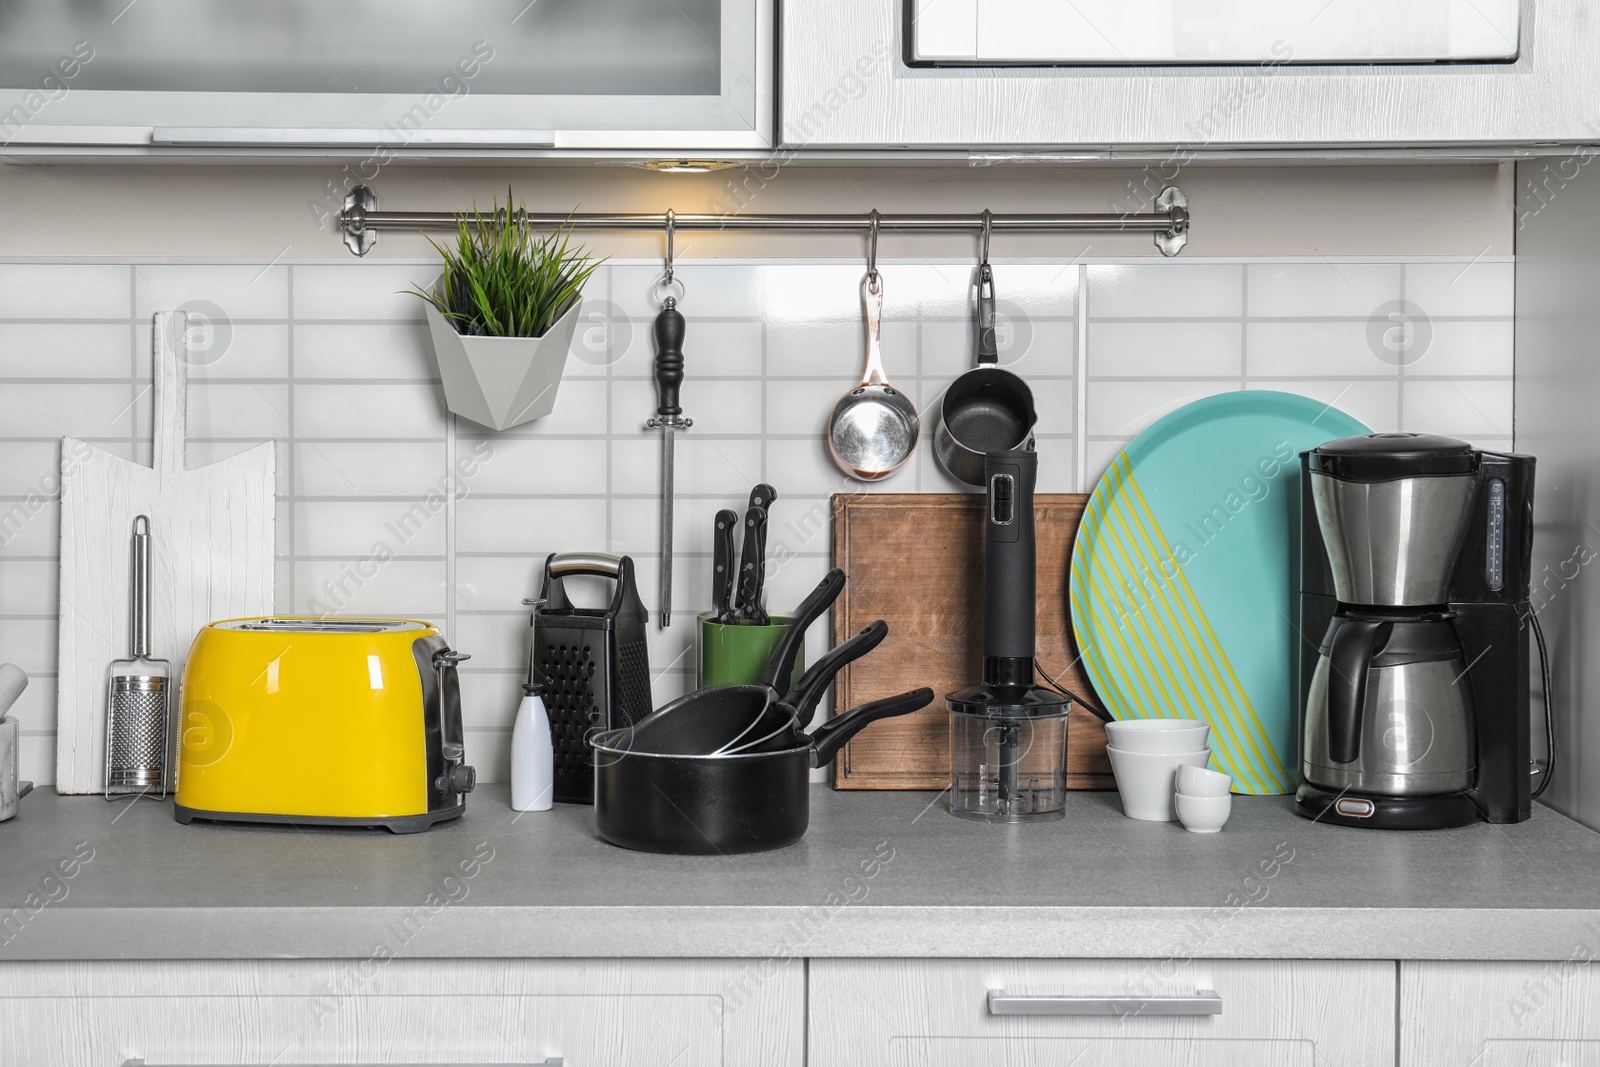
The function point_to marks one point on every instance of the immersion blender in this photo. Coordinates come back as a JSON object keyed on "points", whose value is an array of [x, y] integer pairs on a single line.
{"points": [[1008, 739]]}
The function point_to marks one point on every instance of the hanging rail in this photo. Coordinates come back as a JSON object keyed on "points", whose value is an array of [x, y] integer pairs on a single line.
{"points": [[361, 221]]}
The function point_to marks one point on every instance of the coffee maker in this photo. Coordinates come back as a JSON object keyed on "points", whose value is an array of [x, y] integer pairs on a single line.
{"points": [[1415, 562]]}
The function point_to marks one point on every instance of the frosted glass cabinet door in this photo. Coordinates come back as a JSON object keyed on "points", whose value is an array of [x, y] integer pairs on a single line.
{"points": [[516, 73]]}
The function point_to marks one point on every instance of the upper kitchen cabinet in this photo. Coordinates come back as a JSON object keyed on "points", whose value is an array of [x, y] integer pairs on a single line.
{"points": [[414, 77], [1099, 76]]}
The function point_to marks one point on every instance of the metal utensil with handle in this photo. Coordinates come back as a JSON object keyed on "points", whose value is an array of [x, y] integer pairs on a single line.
{"points": [[138, 734], [874, 426], [987, 409], [669, 417]]}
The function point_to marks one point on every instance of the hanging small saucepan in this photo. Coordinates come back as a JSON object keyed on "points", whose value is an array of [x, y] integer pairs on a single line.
{"points": [[988, 409]]}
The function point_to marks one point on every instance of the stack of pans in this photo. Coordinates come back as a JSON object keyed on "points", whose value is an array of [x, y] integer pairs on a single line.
{"points": [[727, 769]]}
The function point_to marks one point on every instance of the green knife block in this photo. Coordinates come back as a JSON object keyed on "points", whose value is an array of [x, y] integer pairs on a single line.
{"points": [[737, 653]]}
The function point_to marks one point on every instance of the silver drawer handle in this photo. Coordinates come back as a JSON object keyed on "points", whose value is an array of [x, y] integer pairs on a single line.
{"points": [[553, 1061], [1203, 1002]]}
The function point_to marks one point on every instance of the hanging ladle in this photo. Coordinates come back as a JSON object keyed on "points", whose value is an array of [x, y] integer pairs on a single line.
{"points": [[874, 426]]}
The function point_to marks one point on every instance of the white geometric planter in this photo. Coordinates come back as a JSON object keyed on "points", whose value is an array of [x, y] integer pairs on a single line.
{"points": [[501, 382]]}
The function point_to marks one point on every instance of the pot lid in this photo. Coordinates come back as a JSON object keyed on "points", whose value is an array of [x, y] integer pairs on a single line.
{"points": [[1382, 457]]}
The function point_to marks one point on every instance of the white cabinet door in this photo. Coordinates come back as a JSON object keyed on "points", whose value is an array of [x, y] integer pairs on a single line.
{"points": [[850, 78], [1478, 1014], [1130, 1013], [600, 1013]]}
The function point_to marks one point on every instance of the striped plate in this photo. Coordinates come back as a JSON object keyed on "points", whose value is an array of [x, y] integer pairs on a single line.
{"points": [[1182, 575]]}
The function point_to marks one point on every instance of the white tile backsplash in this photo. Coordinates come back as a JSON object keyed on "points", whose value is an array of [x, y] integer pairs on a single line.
{"points": [[66, 291], [332, 361], [75, 350], [381, 350], [1165, 349], [245, 291], [1485, 287], [1155, 291], [1312, 349], [1321, 290]]}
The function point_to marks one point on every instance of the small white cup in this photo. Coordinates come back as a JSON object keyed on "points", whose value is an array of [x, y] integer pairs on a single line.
{"points": [[1203, 815], [1145, 780], [1158, 735], [1202, 782]]}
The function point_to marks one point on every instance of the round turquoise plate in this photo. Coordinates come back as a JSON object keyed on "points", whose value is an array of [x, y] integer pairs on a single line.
{"points": [[1183, 575]]}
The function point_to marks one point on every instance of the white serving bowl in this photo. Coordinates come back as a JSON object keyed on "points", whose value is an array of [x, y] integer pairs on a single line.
{"points": [[1145, 780], [1202, 815], [1202, 782], [1158, 735]]}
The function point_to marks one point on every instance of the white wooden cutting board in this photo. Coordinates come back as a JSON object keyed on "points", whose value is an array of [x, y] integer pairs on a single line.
{"points": [[211, 556]]}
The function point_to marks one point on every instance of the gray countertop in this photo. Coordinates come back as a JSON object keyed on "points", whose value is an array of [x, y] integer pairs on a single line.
{"points": [[879, 874]]}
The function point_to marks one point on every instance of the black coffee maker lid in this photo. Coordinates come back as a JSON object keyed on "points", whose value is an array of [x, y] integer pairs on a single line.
{"points": [[1382, 457]]}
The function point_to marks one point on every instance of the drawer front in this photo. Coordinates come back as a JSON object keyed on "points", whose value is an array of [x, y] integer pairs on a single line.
{"points": [[1501, 1014], [647, 1013], [1033, 1013]]}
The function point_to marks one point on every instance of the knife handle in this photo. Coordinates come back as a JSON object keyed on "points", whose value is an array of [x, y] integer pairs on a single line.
{"points": [[751, 560], [722, 563], [669, 361]]}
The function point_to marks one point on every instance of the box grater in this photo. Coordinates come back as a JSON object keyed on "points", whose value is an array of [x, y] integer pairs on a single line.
{"points": [[593, 663]]}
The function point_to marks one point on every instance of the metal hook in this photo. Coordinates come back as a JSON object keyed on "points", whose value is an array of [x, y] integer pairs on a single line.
{"points": [[988, 228], [872, 249], [672, 223], [669, 290]]}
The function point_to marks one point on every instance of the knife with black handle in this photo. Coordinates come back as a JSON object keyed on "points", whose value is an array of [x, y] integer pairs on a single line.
{"points": [[752, 565], [723, 564]]}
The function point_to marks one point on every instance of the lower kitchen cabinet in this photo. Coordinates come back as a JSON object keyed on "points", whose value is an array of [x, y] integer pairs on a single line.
{"points": [[1109, 1013], [598, 1013], [1476, 1014]]}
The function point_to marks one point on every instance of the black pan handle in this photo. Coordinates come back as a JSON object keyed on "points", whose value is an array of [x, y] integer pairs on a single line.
{"points": [[807, 692], [780, 667], [988, 351], [1355, 641], [830, 737]]}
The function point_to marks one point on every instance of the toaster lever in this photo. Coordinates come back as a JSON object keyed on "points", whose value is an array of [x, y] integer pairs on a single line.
{"points": [[449, 657]]}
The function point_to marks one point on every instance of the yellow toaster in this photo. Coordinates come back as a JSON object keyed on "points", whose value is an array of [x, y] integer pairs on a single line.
{"points": [[322, 722]]}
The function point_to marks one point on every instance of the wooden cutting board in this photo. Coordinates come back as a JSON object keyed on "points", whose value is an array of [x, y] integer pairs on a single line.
{"points": [[211, 557], [915, 560]]}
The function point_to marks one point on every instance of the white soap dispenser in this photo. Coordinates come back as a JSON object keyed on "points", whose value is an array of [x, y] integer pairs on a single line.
{"points": [[532, 753]]}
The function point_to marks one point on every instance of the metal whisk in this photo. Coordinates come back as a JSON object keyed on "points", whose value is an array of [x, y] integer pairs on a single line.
{"points": [[137, 734]]}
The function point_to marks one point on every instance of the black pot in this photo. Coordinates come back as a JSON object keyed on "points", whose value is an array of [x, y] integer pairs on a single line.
{"points": [[711, 805], [988, 409]]}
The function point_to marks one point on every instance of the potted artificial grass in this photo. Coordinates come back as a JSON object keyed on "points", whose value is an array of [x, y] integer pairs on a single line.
{"points": [[502, 317]]}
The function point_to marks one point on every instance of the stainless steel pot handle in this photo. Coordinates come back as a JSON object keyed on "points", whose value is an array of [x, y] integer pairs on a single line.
{"points": [[553, 1061], [1203, 1002]]}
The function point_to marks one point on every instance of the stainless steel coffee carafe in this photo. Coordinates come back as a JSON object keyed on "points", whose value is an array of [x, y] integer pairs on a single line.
{"points": [[1385, 713]]}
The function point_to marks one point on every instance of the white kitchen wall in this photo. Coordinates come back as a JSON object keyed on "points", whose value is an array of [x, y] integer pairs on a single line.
{"points": [[329, 358]]}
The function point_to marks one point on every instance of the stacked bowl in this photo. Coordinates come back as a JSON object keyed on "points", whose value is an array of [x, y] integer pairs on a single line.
{"points": [[1146, 757]]}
